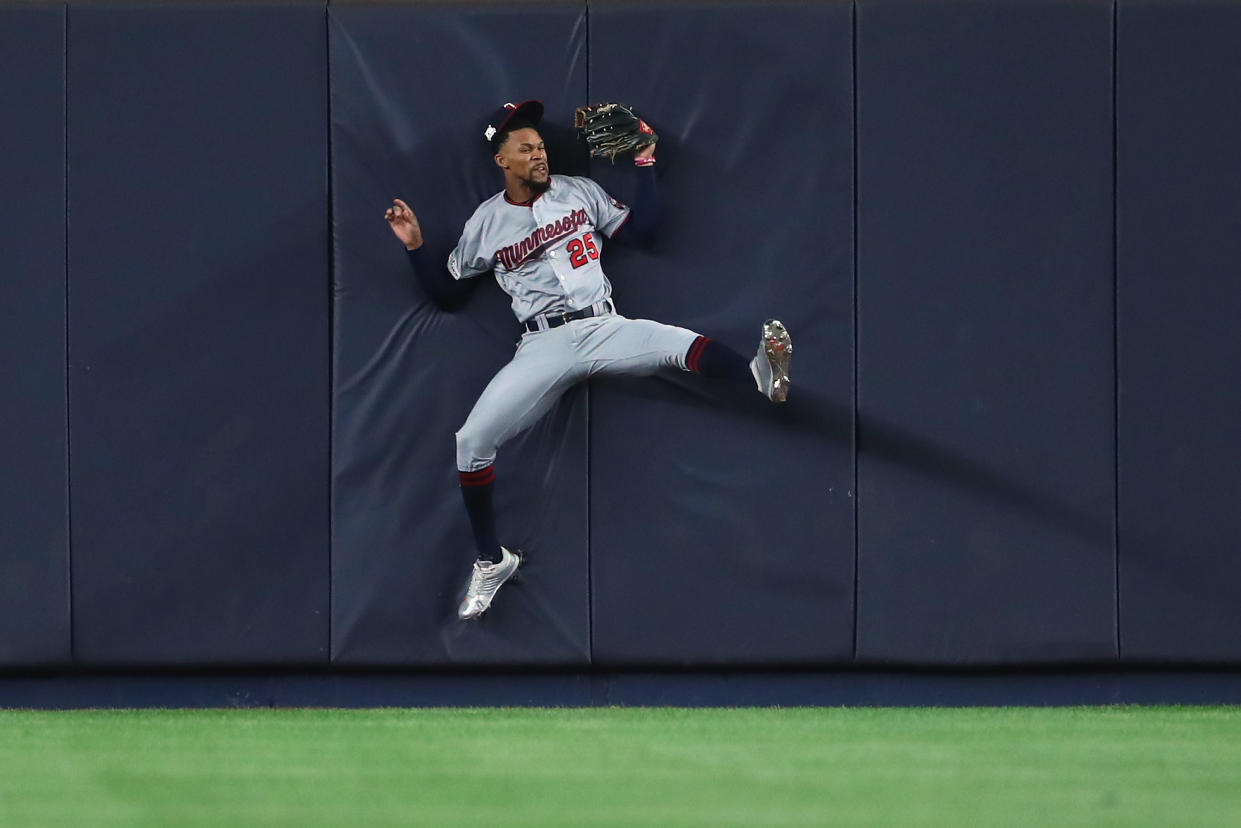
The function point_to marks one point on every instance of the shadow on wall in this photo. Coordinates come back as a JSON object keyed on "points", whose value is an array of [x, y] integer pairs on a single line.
{"points": [[814, 415]]}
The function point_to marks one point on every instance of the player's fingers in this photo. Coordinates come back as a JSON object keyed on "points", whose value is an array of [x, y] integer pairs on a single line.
{"points": [[400, 205]]}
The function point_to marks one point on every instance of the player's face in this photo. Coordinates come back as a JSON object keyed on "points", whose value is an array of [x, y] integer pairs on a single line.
{"points": [[524, 155]]}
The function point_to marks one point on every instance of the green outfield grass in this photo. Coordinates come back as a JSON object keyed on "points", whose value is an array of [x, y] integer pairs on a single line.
{"points": [[623, 767]]}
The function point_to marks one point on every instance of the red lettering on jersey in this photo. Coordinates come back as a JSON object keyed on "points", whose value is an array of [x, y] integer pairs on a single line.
{"points": [[515, 255]]}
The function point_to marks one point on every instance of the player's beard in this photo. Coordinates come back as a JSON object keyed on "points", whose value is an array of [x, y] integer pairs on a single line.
{"points": [[537, 187]]}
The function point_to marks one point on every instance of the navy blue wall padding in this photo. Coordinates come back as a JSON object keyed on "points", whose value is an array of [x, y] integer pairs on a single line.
{"points": [[411, 91], [34, 520], [1179, 244], [198, 321], [1003, 235], [985, 332], [722, 526]]}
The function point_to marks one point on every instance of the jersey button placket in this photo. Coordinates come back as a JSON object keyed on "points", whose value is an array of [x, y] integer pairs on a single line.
{"points": [[554, 258]]}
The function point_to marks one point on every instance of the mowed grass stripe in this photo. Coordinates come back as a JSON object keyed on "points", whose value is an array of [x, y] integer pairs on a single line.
{"points": [[623, 767]]}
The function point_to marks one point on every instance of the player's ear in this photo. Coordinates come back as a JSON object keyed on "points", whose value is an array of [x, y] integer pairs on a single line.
{"points": [[500, 162]]}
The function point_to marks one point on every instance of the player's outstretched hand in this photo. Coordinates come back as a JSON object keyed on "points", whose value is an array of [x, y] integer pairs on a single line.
{"points": [[404, 224]]}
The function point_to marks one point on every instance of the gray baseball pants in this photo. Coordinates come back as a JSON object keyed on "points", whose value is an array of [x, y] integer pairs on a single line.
{"points": [[548, 363]]}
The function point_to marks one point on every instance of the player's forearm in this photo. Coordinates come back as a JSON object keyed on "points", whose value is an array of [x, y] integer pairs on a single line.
{"points": [[447, 293], [646, 211]]}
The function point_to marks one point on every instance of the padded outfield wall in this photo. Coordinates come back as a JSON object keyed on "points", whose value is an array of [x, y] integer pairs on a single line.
{"points": [[1003, 236]]}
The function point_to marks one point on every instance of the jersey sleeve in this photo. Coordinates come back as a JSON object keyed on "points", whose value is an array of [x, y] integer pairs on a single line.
{"points": [[467, 259], [606, 213]]}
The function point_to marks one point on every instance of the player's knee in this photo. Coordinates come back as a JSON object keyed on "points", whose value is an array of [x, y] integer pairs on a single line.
{"points": [[473, 448], [466, 440]]}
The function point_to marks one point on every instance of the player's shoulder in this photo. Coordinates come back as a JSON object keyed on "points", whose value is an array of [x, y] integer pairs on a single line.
{"points": [[488, 207], [484, 213], [580, 183], [578, 188]]}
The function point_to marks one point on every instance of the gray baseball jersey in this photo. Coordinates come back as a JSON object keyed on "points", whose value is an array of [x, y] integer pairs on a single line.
{"points": [[545, 255]]}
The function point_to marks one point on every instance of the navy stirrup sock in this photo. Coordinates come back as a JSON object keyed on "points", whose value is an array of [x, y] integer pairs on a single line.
{"points": [[476, 487], [711, 359]]}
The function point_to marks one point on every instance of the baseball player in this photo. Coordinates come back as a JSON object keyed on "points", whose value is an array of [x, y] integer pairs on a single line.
{"points": [[543, 237]]}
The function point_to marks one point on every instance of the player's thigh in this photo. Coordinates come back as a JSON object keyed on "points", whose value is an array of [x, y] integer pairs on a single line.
{"points": [[637, 346], [522, 391]]}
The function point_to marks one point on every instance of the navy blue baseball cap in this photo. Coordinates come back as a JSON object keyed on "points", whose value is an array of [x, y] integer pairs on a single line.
{"points": [[531, 111]]}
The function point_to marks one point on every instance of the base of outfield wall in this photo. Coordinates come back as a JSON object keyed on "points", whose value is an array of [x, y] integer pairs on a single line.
{"points": [[681, 689]]}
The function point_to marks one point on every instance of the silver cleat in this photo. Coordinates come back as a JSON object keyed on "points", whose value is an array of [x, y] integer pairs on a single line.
{"points": [[770, 366], [485, 581]]}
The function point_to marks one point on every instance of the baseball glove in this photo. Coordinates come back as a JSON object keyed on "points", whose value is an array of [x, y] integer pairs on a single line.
{"points": [[612, 128]]}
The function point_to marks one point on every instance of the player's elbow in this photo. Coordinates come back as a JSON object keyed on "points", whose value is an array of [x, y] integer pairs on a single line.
{"points": [[637, 234]]}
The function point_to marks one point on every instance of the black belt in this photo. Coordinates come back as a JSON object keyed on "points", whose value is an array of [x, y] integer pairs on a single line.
{"points": [[555, 320]]}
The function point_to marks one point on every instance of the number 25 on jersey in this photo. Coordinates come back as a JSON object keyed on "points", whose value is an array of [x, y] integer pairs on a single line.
{"points": [[580, 249]]}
